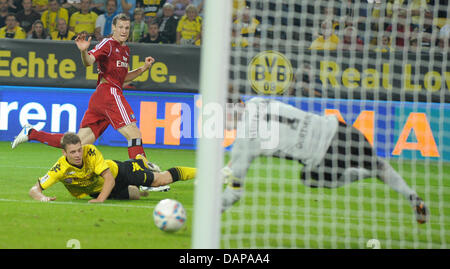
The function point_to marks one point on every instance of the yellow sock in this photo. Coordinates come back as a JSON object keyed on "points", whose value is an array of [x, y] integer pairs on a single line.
{"points": [[186, 173], [182, 173]]}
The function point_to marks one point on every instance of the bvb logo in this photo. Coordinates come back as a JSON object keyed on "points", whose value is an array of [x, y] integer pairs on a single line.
{"points": [[270, 72]]}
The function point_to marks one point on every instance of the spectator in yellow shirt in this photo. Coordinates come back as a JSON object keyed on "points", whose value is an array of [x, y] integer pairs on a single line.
{"points": [[189, 27], [237, 40], [238, 6], [63, 32], [246, 23], [40, 5], [12, 30], [326, 40], [384, 44], [51, 16], [83, 20]]}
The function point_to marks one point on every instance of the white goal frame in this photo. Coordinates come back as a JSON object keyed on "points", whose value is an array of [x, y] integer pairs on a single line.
{"points": [[214, 66]]}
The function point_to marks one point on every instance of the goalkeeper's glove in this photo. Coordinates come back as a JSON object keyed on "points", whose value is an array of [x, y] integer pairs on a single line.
{"points": [[230, 196], [233, 191], [229, 179]]}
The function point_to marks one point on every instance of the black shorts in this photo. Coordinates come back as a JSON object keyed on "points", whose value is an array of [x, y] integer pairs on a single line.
{"points": [[348, 148], [131, 172]]}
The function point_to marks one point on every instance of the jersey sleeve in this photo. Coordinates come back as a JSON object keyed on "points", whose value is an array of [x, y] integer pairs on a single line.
{"points": [[72, 20], [100, 165], [53, 176], [244, 151], [101, 50]]}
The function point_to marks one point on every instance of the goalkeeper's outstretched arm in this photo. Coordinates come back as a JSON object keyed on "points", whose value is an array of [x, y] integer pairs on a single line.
{"points": [[234, 173]]}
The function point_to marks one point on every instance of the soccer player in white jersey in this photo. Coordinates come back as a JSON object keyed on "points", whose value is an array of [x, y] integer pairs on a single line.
{"points": [[333, 153]]}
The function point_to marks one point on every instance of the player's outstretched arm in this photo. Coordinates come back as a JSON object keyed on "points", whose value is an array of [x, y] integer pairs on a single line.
{"points": [[108, 185], [83, 46], [36, 194], [138, 71], [230, 196], [234, 191]]}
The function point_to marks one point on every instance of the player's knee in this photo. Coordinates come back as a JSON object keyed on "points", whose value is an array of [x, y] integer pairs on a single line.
{"points": [[161, 179], [133, 192], [157, 182], [86, 136], [131, 131]]}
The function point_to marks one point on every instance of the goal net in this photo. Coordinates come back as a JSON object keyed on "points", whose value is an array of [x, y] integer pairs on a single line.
{"points": [[381, 66]]}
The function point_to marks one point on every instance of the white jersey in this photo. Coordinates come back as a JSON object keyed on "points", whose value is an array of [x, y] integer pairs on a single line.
{"points": [[277, 129]]}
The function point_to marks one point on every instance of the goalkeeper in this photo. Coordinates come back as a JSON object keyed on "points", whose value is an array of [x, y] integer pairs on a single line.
{"points": [[333, 153], [83, 171]]}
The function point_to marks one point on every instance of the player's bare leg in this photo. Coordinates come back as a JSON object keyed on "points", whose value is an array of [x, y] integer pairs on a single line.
{"points": [[86, 136], [172, 175], [133, 193], [151, 168]]}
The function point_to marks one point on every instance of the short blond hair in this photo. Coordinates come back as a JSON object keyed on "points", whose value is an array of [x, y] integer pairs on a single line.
{"points": [[139, 10], [191, 7]]}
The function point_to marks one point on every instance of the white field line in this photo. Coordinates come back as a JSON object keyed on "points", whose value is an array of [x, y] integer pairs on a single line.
{"points": [[74, 203]]}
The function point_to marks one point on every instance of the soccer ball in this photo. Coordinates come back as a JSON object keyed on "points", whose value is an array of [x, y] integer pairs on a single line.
{"points": [[169, 215]]}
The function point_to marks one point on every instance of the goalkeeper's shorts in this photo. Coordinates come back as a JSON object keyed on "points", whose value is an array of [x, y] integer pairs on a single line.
{"points": [[349, 148]]}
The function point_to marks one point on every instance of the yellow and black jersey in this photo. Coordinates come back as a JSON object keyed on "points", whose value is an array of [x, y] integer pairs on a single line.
{"points": [[16, 33], [68, 36], [189, 29], [83, 22], [80, 181], [247, 28]]}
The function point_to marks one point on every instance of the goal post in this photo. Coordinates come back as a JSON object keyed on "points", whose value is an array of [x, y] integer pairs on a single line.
{"points": [[214, 65]]}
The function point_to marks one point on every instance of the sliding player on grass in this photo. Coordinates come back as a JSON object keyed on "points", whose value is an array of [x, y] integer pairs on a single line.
{"points": [[83, 171], [333, 153], [107, 105]]}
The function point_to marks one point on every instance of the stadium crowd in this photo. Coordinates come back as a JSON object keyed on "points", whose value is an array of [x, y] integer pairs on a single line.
{"points": [[379, 25], [153, 21]]}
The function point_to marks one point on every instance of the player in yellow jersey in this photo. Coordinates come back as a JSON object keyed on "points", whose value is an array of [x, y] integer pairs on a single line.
{"points": [[83, 171]]}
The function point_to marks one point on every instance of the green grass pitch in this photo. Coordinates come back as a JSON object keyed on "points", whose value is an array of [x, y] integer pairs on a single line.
{"points": [[275, 212], [25, 223]]}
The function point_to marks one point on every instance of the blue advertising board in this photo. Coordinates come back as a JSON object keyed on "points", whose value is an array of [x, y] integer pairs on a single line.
{"points": [[171, 120]]}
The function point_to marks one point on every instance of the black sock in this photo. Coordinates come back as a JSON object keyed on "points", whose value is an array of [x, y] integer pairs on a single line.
{"points": [[175, 174]]}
